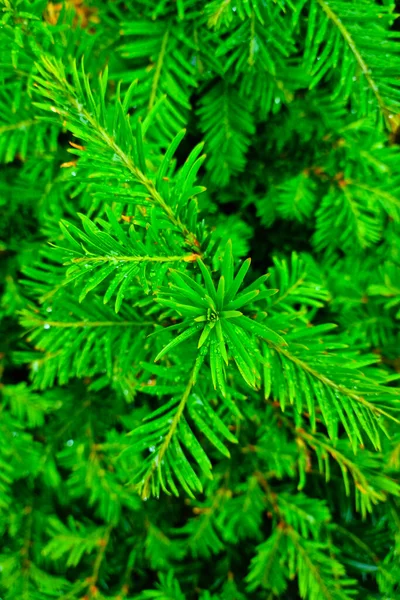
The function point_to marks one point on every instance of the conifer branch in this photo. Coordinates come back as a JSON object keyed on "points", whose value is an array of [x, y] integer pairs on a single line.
{"points": [[158, 458], [103, 544], [271, 562], [18, 125], [158, 68], [110, 143], [77, 324], [135, 259], [360, 479], [376, 191], [26, 551], [124, 378], [324, 591], [358, 56], [337, 387]]}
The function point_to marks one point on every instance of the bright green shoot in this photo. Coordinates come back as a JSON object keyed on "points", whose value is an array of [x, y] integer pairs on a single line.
{"points": [[221, 316]]}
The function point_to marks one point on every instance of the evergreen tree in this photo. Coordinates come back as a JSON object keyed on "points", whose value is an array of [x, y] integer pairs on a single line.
{"points": [[177, 424]]}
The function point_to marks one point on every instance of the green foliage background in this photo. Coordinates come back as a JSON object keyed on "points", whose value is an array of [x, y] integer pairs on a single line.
{"points": [[175, 422]]}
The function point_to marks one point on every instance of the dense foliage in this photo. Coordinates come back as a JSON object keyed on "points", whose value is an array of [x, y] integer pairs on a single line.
{"points": [[175, 422]]}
